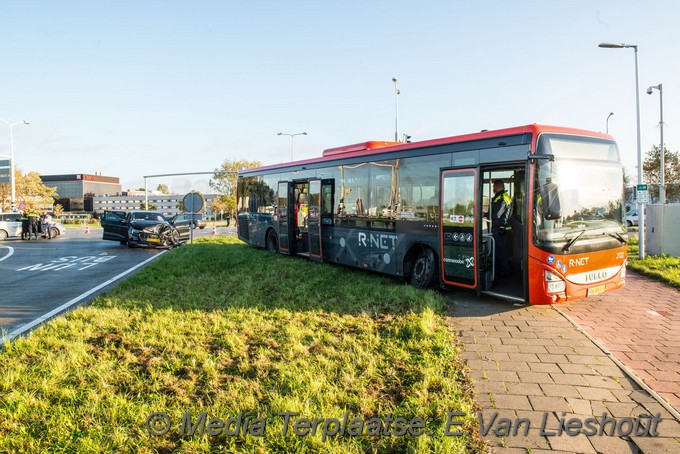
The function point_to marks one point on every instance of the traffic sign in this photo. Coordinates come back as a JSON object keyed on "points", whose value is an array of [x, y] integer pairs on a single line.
{"points": [[193, 202], [642, 194]]}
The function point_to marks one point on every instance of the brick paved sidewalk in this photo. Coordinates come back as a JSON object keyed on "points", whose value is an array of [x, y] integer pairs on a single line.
{"points": [[640, 325], [531, 361]]}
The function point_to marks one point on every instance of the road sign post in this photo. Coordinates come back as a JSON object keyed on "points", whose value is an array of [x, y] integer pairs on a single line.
{"points": [[642, 192], [193, 203]]}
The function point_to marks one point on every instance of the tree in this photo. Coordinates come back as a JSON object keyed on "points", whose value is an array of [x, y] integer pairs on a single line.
{"points": [[626, 178], [223, 202], [163, 188], [58, 210], [142, 206], [224, 182], [652, 174], [30, 190]]}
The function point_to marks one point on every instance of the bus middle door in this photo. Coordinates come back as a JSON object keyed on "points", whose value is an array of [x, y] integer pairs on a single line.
{"points": [[314, 220], [286, 211], [458, 227]]}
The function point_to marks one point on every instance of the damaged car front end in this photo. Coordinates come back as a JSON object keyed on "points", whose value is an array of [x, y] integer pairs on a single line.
{"points": [[149, 234], [144, 228]]}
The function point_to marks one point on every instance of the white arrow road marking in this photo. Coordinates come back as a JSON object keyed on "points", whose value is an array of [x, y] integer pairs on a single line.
{"points": [[9, 254]]}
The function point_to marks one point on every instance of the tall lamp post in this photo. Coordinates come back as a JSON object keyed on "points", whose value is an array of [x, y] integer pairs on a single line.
{"points": [[11, 157], [291, 140], [641, 206], [662, 165], [396, 110], [607, 122]]}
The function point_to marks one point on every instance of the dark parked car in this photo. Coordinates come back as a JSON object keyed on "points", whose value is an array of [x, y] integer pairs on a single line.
{"points": [[144, 228], [197, 217]]}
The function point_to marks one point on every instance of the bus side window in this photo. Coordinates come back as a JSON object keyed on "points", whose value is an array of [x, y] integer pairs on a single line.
{"points": [[327, 187]]}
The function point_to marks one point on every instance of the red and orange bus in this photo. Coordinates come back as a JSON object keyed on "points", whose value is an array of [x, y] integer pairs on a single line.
{"points": [[417, 210]]}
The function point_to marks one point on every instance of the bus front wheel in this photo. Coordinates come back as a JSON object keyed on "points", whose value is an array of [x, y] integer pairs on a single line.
{"points": [[272, 242], [424, 269]]}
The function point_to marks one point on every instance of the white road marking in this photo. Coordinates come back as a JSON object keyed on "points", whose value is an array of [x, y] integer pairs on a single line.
{"points": [[52, 313], [67, 262], [654, 313], [9, 254]]}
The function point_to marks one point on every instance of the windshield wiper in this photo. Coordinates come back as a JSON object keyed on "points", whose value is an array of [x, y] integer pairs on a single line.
{"points": [[618, 237], [571, 242]]}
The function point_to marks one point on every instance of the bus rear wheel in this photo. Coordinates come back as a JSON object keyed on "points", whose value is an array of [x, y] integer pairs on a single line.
{"points": [[424, 270], [272, 242]]}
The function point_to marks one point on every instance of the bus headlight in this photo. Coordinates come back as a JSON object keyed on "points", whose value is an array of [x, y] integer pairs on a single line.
{"points": [[554, 283]]}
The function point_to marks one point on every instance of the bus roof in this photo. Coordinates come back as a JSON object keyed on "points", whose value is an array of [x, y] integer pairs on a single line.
{"points": [[375, 147]]}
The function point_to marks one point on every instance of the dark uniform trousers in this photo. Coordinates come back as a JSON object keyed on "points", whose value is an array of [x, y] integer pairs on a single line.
{"points": [[34, 221], [500, 215]]}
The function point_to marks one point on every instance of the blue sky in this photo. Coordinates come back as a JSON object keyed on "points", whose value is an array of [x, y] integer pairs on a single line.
{"points": [[133, 88]]}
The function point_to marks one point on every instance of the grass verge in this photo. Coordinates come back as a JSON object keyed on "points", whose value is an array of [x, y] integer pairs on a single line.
{"points": [[662, 267], [223, 328]]}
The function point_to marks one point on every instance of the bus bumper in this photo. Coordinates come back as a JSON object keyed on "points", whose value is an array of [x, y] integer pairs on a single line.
{"points": [[550, 286]]}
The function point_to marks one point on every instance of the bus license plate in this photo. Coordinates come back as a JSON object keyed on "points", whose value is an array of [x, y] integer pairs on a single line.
{"points": [[596, 290]]}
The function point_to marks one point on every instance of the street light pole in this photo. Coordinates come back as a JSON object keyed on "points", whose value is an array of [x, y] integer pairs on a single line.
{"points": [[662, 163], [641, 206], [396, 110], [13, 202], [291, 140], [607, 124]]}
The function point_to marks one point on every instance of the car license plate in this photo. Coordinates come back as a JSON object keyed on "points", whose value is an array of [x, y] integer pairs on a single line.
{"points": [[153, 240], [596, 290]]}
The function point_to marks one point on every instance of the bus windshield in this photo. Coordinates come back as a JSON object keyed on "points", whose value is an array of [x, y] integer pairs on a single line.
{"points": [[578, 196]]}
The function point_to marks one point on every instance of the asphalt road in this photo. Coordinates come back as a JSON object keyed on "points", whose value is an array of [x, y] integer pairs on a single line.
{"points": [[39, 279]]}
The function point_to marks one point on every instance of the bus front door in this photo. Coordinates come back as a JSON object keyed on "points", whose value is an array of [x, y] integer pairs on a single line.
{"points": [[458, 227], [314, 220]]}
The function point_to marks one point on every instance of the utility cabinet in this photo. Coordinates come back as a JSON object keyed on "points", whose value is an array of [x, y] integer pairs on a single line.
{"points": [[662, 229]]}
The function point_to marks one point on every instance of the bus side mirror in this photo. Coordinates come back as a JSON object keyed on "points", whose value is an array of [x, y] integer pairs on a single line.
{"points": [[550, 201]]}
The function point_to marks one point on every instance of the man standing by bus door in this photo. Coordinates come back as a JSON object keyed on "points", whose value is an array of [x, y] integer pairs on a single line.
{"points": [[501, 209]]}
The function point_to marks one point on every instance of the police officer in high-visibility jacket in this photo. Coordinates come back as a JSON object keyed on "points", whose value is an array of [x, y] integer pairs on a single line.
{"points": [[34, 223], [501, 209], [25, 226]]}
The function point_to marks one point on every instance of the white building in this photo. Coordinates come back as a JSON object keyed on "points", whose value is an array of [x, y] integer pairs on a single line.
{"points": [[168, 204]]}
